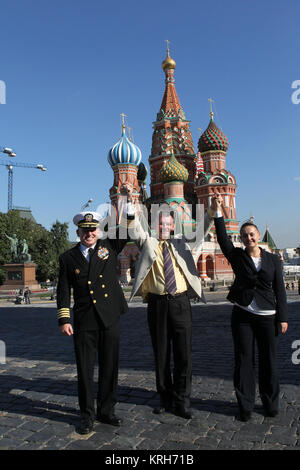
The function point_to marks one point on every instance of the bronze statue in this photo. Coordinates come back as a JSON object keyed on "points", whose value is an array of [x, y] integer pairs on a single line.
{"points": [[13, 246], [18, 249]]}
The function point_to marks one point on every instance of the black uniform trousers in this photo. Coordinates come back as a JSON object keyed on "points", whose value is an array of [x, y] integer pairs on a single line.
{"points": [[105, 342], [170, 324], [248, 328]]}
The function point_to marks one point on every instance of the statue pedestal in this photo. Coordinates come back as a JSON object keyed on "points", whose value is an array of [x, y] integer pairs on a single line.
{"points": [[19, 276]]}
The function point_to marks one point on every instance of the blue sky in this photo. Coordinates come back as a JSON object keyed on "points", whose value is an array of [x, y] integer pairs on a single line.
{"points": [[71, 67]]}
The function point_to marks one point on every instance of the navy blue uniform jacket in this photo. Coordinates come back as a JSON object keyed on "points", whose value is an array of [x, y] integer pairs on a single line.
{"points": [[98, 296]]}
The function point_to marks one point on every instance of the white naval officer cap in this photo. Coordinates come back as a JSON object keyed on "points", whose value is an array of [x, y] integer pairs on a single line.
{"points": [[87, 219]]}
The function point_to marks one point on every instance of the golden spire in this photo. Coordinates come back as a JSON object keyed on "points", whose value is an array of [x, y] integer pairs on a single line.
{"points": [[168, 63], [211, 111]]}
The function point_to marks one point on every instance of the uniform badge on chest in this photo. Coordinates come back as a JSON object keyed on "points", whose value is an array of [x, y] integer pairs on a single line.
{"points": [[103, 253], [77, 271]]}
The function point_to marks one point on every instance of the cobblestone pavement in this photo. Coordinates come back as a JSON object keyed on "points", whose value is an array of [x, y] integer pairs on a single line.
{"points": [[38, 392]]}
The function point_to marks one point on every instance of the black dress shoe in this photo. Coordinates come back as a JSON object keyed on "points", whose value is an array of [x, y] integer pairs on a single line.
{"points": [[245, 416], [183, 412], [86, 426], [271, 413], [110, 419]]}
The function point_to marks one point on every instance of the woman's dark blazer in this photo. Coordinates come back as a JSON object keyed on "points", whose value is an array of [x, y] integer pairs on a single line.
{"points": [[266, 286]]}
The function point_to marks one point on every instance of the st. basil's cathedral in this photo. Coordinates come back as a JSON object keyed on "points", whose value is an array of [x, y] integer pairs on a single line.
{"points": [[179, 177]]}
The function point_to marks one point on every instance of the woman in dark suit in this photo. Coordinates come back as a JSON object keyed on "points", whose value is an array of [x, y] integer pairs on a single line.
{"points": [[259, 314]]}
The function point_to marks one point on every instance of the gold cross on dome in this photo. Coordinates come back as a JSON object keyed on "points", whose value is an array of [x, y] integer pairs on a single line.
{"points": [[168, 42], [211, 102], [211, 111], [123, 116]]}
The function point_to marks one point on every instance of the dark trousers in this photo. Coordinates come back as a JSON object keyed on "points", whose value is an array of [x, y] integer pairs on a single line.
{"points": [[87, 344], [248, 328], [170, 325]]}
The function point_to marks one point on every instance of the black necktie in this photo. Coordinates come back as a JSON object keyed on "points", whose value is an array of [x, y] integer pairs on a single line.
{"points": [[91, 251], [170, 280]]}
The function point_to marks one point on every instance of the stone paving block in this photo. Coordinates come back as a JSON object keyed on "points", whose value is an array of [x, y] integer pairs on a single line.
{"points": [[11, 422], [220, 434], [10, 444], [250, 434], [31, 425], [4, 430], [235, 445], [178, 446], [103, 436], [149, 444], [40, 436], [30, 446], [282, 435], [267, 446], [131, 430], [124, 443], [81, 444], [19, 433], [187, 435], [55, 443], [205, 443]]}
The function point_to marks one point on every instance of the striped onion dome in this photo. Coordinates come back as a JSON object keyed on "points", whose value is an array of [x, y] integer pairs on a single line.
{"points": [[173, 171], [213, 138], [124, 151]]}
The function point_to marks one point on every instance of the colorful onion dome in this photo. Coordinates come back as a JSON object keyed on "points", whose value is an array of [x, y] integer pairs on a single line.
{"points": [[213, 138], [173, 171], [124, 151]]}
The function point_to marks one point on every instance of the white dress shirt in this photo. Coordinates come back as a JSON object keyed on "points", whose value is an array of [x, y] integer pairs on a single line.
{"points": [[85, 250]]}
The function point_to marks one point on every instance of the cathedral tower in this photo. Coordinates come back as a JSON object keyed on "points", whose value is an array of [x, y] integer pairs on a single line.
{"points": [[124, 158], [213, 177], [171, 135]]}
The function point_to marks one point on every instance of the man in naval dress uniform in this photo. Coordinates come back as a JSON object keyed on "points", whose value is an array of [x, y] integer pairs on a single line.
{"points": [[90, 269]]}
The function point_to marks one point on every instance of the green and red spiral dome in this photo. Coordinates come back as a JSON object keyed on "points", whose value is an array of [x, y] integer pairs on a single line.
{"points": [[213, 139]]}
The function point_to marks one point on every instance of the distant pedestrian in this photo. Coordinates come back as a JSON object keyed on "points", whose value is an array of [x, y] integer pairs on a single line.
{"points": [[27, 293]]}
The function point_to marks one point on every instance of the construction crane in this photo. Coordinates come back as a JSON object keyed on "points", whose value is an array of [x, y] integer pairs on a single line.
{"points": [[10, 167]]}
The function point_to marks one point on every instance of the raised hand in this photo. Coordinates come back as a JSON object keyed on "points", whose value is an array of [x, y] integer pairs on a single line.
{"points": [[126, 190], [216, 202]]}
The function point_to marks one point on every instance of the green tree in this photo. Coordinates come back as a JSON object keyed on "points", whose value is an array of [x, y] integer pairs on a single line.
{"points": [[44, 246], [59, 233]]}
